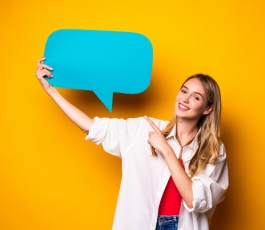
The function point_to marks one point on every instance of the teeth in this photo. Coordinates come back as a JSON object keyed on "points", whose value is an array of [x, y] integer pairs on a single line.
{"points": [[183, 107]]}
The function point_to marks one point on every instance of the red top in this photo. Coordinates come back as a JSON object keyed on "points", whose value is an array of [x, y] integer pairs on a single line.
{"points": [[171, 199]]}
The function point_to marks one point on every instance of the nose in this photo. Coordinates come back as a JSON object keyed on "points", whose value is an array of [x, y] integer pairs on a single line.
{"points": [[186, 98]]}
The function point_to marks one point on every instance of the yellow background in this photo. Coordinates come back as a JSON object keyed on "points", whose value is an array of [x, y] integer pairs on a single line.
{"points": [[51, 178]]}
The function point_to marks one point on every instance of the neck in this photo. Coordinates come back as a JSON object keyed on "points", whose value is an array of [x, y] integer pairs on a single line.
{"points": [[186, 129]]}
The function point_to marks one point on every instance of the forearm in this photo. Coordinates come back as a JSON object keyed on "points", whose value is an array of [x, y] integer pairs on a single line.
{"points": [[77, 116], [181, 179]]}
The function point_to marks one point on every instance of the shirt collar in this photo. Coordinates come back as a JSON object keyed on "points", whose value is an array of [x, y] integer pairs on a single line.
{"points": [[194, 142]]}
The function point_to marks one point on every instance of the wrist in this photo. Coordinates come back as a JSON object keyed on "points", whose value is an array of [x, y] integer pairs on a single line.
{"points": [[51, 91], [168, 151]]}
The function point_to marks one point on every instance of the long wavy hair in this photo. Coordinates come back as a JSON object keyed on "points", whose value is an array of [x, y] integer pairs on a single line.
{"points": [[209, 136]]}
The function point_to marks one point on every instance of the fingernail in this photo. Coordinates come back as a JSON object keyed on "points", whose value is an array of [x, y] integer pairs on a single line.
{"points": [[44, 58], [51, 68], [52, 75]]}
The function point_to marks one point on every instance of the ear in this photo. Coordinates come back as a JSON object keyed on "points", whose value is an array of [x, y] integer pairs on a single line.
{"points": [[208, 110]]}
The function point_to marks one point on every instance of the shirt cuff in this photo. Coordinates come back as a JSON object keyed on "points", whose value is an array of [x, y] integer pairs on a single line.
{"points": [[201, 197]]}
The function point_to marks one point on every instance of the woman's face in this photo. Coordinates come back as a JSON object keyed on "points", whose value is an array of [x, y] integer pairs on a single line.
{"points": [[191, 101]]}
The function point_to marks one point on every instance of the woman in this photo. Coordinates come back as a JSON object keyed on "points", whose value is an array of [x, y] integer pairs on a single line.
{"points": [[156, 192]]}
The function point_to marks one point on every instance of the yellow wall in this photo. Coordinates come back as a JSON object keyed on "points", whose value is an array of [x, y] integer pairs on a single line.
{"points": [[51, 178]]}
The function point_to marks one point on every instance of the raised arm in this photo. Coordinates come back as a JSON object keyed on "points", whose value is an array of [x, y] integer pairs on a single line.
{"points": [[77, 116]]}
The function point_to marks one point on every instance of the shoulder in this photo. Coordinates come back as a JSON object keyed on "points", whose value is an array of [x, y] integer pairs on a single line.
{"points": [[222, 152]]}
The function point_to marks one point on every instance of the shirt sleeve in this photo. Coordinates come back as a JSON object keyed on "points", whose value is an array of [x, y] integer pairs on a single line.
{"points": [[115, 135], [209, 187]]}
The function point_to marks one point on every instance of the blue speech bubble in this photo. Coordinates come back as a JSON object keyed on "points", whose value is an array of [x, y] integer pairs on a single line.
{"points": [[102, 61]]}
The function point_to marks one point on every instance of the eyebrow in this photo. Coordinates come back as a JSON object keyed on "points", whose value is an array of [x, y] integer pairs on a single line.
{"points": [[194, 91]]}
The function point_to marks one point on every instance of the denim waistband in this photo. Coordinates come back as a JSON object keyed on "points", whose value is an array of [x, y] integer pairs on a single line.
{"points": [[163, 220]]}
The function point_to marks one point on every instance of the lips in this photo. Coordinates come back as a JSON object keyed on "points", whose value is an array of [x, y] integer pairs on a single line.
{"points": [[183, 107]]}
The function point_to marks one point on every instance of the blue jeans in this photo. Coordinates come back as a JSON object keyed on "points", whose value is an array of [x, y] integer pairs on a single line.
{"points": [[167, 222]]}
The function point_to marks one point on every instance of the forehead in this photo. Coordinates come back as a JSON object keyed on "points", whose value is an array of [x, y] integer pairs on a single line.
{"points": [[194, 85]]}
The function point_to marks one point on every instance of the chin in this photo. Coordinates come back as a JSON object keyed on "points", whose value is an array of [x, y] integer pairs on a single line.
{"points": [[185, 116], [180, 115]]}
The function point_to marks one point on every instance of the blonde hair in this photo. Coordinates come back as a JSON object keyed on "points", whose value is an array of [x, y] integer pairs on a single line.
{"points": [[209, 136]]}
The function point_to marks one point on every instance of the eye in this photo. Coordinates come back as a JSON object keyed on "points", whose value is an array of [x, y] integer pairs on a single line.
{"points": [[196, 98], [183, 91]]}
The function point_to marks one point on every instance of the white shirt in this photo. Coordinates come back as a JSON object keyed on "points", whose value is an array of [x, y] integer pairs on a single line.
{"points": [[144, 177]]}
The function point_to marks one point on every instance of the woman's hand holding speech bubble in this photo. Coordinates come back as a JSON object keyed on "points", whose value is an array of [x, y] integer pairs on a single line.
{"points": [[102, 61]]}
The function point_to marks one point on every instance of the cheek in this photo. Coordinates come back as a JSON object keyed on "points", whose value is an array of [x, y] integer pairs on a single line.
{"points": [[199, 107]]}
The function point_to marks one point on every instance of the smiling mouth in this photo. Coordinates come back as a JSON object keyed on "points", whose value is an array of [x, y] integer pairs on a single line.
{"points": [[182, 107]]}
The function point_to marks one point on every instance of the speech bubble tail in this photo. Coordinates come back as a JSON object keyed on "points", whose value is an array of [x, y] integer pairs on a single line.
{"points": [[106, 98]]}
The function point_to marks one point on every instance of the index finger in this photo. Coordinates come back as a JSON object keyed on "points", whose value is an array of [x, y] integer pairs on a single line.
{"points": [[40, 61], [153, 125]]}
